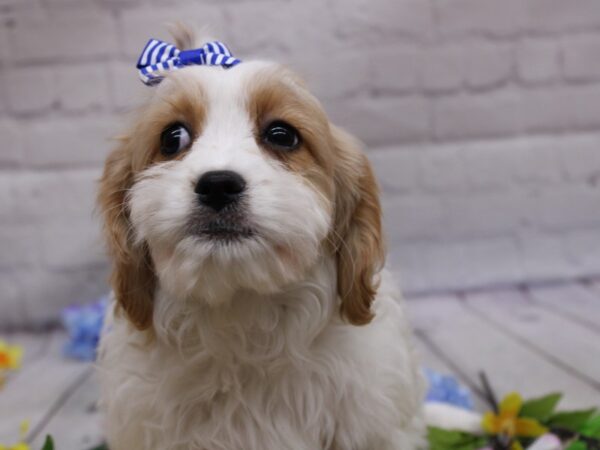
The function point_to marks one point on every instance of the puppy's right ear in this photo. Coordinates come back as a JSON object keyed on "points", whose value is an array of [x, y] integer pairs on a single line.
{"points": [[133, 279]]}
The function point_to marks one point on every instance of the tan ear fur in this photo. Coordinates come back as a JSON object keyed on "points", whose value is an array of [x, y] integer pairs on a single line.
{"points": [[358, 234], [133, 279]]}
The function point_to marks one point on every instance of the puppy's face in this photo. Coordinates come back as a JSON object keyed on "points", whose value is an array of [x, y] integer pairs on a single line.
{"points": [[234, 179]]}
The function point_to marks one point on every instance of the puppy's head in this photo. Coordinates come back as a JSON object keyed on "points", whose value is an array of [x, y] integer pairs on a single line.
{"points": [[235, 180]]}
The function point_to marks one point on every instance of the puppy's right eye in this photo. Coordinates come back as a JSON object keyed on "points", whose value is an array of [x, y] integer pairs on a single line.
{"points": [[174, 139]]}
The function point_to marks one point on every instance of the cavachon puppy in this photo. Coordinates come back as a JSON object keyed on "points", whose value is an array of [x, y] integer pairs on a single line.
{"points": [[251, 311]]}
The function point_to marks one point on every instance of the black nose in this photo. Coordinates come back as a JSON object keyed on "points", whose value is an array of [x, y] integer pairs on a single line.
{"points": [[219, 188]]}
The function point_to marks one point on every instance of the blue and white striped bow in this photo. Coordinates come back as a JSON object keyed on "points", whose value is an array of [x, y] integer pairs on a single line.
{"points": [[158, 57]]}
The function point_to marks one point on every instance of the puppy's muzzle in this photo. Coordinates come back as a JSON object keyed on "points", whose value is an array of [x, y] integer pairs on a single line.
{"points": [[219, 188]]}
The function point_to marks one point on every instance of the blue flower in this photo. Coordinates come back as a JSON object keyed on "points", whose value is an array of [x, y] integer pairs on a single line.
{"points": [[447, 389], [84, 324]]}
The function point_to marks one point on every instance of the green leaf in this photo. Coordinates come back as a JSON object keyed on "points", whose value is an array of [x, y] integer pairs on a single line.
{"points": [[577, 445], [440, 439], [48, 443], [592, 427], [540, 408], [571, 420]]}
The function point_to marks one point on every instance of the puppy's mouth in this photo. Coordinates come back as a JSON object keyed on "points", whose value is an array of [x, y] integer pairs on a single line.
{"points": [[227, 225], [224, 230]]}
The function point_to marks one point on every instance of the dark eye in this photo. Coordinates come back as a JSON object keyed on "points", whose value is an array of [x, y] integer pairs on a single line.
{"points": [[281, 136], [173, 139]]}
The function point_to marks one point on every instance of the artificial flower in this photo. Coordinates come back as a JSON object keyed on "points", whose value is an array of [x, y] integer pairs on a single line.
{"points": [[447, 389], [508, 423], [10, 356], [24, 428], [84, 325]]}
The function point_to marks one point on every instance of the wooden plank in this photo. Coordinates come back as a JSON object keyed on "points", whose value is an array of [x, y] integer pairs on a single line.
{"points": [[565, 343], [593, 287], [474, 345], [429, 358], [77, 424], [574, 301], [30, 395], [432, 358]]}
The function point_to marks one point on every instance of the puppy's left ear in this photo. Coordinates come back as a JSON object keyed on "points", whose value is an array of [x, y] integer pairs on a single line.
{"points": [[358, 236], [133, 279]]}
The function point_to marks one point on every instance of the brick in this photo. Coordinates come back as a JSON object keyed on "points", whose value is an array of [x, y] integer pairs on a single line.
{"points": [[20, 245], [82, 87], [485, 17], [539, 112], [138, 25], [324, 77], [477, 116], [31, 91], [70, 33], [3, 96], [46, 292], [71, 3], [544, 257], [68, 194], [12, 134], [414, 216], [126, 90], [568, 207], [538, 162], [488, 66], [579, 109], [442, 69], [537, 61], [394, 69], [583, 250], [441, 170], [491, 165], [384, 121], [396, 169], [361, 20], [72, 243], [4, 45], [580, 158], [16, 197], [580, 57], [10, 301], [477, 215], [545, 16], [69, 142], [287, 31], [10, 8]]}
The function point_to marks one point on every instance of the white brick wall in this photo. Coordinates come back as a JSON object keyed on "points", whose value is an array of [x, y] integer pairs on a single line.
{"points": [[481, 117]]}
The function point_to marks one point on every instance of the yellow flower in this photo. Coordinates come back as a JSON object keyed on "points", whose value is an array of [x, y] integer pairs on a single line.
{"points": [[24, 428], [10, 356], [507, 422], [19, 446]]}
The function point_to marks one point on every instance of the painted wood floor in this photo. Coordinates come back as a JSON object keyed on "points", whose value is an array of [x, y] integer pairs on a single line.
{"points": [[535, 340]]}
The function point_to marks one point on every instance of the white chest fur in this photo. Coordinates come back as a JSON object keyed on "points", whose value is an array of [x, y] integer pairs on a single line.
{"points": [[278, 373]]}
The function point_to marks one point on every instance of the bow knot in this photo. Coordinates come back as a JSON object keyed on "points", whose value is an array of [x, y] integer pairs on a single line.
{"points": [[159, 57]]}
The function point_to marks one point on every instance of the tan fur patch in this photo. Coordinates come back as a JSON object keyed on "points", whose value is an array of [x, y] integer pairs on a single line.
{"points": [[277, 94], [133, 278]]}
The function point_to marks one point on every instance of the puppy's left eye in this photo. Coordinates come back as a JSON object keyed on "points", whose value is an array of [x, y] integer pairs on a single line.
{"points": [[173, 139], [281, 136]]}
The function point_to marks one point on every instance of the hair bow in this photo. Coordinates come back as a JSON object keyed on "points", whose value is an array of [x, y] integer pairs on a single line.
{"points": [[159, 57]]}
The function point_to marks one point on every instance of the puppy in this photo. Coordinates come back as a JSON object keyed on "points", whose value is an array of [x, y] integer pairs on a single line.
{"points": [[251, 310]]}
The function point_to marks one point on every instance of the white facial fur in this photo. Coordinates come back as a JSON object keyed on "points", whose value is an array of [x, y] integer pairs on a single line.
{"points": [[290, 217]]}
